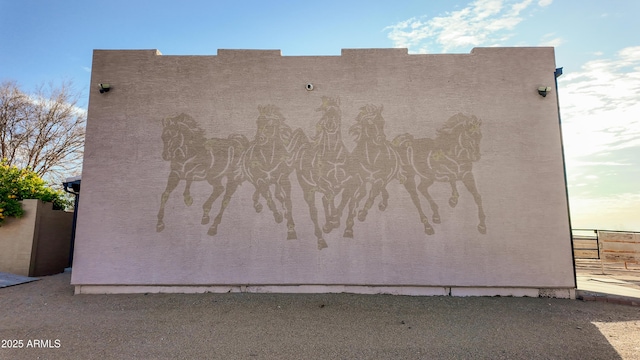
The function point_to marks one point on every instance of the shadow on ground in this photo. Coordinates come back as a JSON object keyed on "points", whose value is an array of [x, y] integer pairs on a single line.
{"points": [[329, 326]]}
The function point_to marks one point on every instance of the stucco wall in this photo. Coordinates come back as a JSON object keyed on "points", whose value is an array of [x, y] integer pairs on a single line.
{"points": [[471, 121], [53, 241], [38, 243], [16, 240]]}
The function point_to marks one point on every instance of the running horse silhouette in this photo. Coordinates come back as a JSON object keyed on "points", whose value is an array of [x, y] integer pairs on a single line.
{"points": [[447, 158], [321, 166], [195, 158], [269, 161], [373, 161]]}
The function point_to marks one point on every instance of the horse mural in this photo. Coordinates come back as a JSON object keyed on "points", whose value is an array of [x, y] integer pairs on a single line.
{"points": [[373, 161], [321, 166], [196, 158], [269, 161], [447, 158]]}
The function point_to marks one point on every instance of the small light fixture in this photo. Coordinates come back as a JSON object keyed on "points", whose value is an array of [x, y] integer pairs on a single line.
{"points": [[544, 90], [309, 87], [104, 88]]}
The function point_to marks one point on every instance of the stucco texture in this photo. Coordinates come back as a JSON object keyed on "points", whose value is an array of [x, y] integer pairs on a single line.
{"points": [[377, 130], [38, 243]]}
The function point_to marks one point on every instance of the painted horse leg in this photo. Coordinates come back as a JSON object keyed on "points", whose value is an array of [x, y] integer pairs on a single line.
{"points": [[218, 189], [279, 195], [230, 190], [470, 182], [425, 183], [266, 193], [376, 188], [354, 201], [328, 213], [310, 198], [256, 200], [453, 200], [172, 183], [188, 200], [385, 199], [283, 192], [332, 216], [347, 194], [410, 185]]}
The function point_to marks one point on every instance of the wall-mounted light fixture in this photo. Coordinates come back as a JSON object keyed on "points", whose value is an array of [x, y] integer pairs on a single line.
{"points": [[104, 88], [544, 90]]}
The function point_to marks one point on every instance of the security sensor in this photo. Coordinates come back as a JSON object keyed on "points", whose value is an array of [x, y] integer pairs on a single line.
{"points": [[104, 88], [544, 90]]}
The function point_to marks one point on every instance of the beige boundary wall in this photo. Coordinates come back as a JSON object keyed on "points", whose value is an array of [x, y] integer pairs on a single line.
{"points": [[619, 247], [38, 243], [374, 171]]}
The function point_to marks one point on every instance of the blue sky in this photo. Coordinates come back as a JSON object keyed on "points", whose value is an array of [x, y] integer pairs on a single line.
{"points": [[596, 42]]}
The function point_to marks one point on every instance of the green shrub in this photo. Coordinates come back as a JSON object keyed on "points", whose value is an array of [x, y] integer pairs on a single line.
{"points": [[19, 184]]}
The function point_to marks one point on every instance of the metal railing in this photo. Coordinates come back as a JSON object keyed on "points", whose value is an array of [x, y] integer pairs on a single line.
{"points": [[611, 246], [586, 244]]}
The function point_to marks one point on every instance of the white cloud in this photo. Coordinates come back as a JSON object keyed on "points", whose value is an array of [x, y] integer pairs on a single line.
{"points": [[618, 212], [47, 103], [600, 163], [600, 105], [481, 23], [555, 42]]}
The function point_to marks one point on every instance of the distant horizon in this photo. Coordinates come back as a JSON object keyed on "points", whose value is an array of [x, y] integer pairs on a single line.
{"points": [[607, 230]]}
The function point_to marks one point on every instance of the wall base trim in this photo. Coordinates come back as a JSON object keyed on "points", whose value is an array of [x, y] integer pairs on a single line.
{"points": [[561, 293]]}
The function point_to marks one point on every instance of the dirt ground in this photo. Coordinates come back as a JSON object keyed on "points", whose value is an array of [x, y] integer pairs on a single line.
{"points": [[617, 271], [51, 323]]}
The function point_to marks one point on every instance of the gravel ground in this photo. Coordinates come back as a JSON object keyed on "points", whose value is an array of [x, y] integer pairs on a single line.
{"points": [[320, 326], [616, 271]]}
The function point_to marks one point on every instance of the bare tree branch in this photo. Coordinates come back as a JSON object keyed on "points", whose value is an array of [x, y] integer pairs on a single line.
{"points": [[43, 130]]}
